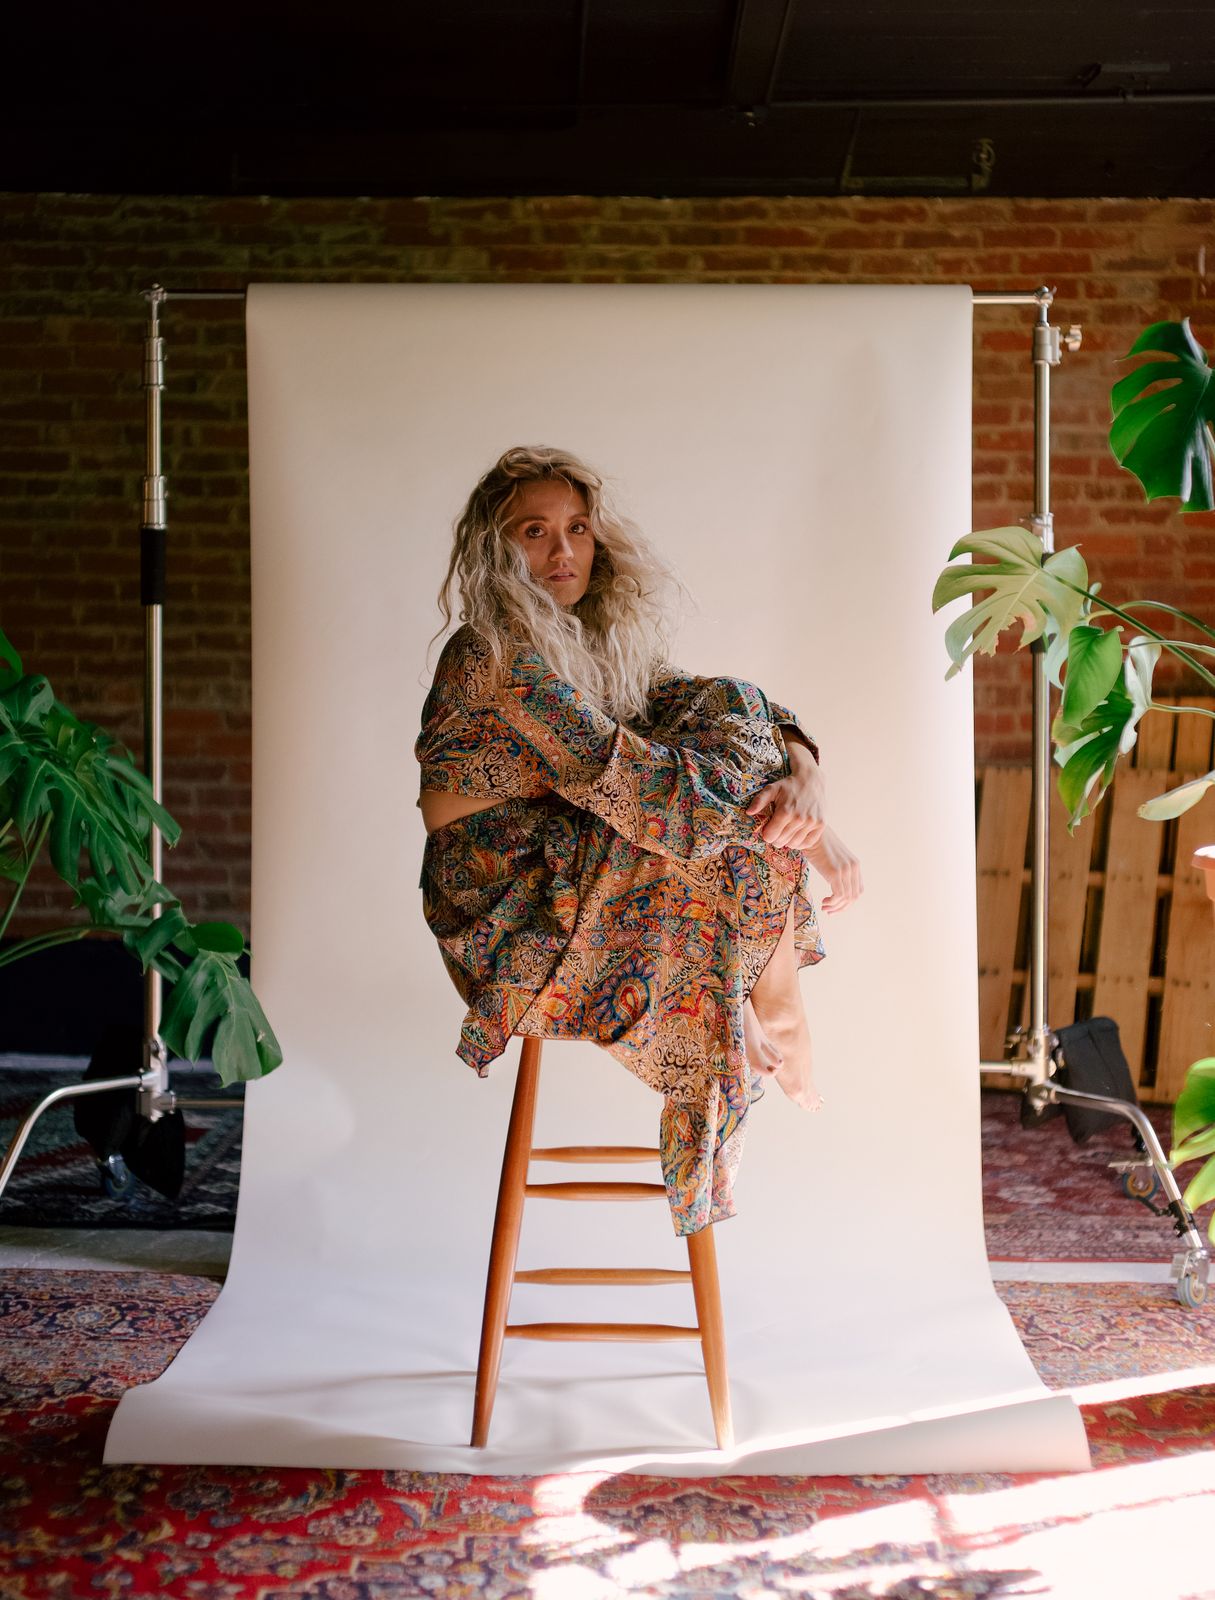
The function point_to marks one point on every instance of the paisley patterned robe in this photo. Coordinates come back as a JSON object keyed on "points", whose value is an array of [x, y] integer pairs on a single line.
{"points": [[618, 892]]}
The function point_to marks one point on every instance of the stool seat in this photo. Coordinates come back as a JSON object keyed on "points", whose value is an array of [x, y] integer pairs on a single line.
{"points": [[514, 1189]]}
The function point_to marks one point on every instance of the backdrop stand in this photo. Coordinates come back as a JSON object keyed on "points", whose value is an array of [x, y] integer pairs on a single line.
{"points": [[1032, 1051], [155, 1098], [1032, 1055]]}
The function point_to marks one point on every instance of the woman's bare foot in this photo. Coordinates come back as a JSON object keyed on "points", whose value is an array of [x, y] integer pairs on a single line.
{"points": [[762, 1054], [777, 1002]]}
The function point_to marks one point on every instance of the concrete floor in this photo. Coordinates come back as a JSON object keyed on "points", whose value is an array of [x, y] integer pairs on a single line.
{"points": [[110, 1249], [206, 1254], [117, 1249]]}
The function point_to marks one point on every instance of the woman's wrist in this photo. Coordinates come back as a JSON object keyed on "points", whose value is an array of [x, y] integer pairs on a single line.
{"points": [[802, 751]]}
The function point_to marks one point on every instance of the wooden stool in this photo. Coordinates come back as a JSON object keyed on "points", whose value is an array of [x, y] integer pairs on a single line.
{"points": [[514, 1189]]}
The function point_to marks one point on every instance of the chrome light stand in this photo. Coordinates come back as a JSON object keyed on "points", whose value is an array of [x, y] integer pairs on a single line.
{"points": [[1034, 1052], [155, 1098]]}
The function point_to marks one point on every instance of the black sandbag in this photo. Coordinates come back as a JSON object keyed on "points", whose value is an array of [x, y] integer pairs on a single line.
{"points": [[106, 1121], [111, 1124], [1091, 1060]]}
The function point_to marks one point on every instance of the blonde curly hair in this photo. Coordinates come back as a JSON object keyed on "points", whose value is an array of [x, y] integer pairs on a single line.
{"points": [[611, 642]]}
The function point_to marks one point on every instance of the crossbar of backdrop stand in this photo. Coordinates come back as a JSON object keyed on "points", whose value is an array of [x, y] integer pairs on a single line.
{"points": [[1032, 1051], [155, 1096]]}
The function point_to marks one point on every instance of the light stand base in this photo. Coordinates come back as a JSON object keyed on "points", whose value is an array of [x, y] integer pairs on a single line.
{"points": [[1192, 1264]]}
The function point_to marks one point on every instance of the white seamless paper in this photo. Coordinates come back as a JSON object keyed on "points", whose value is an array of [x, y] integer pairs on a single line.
{"points": [[801, 454]]}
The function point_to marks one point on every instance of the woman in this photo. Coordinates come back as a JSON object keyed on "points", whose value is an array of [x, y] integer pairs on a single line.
{"points": [[616, 851]]}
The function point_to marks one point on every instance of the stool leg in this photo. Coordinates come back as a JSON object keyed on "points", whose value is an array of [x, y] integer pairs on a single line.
{"points": [[508, 1218], [706, 1288]]}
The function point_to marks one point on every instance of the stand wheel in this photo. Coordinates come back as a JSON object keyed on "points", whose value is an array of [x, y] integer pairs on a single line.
{"points": [[1141, 1183], [116, 1177], [1191, 1291]]}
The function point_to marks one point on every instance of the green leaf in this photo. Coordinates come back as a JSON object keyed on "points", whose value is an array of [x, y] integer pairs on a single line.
{"points": [[1089, 753], [1174, 801], [1163, 438], [1094, 662], [1198, 1144], [1023, 587], [1201, 1186], [10, 661], [1089, 760], [221, 937], [55, 766], [1141, 657], [213, 993], [170, 927], [72, 782], [26, 703], [1195, 1105]]}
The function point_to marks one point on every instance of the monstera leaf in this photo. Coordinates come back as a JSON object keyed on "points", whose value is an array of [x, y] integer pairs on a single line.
{"points": [[1174, 801], [1023, 587], [1089, 751], [1194, 1132], [71, 784], [1094, 665], [212, 993], [80, 782], [1164, 438]]}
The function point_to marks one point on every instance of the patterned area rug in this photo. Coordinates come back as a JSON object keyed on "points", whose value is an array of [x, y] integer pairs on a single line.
{"points": [[57, 1183], [71, 1342], [1048, 1199], [1044, 1198]]}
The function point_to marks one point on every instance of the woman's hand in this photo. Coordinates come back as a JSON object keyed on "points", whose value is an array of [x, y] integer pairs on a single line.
{"points": [[832, 859], [796, 802]]}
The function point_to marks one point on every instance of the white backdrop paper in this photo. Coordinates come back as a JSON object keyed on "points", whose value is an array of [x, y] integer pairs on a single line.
{"points": [[802, 455]]}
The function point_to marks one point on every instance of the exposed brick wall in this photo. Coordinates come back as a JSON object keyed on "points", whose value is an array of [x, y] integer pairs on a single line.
{"points": [[71, 455]]}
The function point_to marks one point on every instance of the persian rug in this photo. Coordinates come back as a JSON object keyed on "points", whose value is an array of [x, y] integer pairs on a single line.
{"points": [[57, 1184], [1046, 1198], [70, 1528]]}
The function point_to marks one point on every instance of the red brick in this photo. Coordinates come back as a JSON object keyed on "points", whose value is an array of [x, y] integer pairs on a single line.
{"points": [[72, 411]]}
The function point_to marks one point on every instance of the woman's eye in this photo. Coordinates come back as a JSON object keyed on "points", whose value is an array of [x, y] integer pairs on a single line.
{"points": [[533, 532], [579, 527]]}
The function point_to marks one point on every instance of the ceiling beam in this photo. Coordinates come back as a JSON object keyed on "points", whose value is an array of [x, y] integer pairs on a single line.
{"points": [[1144, 148], [759, 36]]}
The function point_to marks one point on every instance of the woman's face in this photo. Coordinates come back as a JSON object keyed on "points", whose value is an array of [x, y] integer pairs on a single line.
{"points": [[549, 519]]}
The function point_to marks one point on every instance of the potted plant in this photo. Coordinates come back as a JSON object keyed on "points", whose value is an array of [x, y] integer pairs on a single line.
{"points": [[70, 787], [1103, 656]]}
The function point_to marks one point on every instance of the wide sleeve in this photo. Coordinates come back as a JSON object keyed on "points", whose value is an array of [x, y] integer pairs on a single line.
{"points": [[784, 718], [675, 695], [672, 799]]}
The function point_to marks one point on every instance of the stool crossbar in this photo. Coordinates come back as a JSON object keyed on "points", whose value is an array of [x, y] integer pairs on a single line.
{"points": [[514, 1189]]}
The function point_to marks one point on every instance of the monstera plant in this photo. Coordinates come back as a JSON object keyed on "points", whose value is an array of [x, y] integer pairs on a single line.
{"points": [[69, 786], [1103, 656]]}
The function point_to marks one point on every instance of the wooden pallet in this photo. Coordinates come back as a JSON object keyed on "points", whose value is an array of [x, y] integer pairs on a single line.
{"points": [[1129, 923]]}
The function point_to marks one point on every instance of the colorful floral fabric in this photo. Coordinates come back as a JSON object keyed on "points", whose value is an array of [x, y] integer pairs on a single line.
{"points": [[619, 892]]}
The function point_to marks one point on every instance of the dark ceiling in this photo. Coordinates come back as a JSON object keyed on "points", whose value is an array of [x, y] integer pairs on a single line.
{"points": [[612, 97]]}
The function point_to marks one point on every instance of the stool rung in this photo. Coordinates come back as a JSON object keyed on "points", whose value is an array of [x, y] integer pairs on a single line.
{"points": [[593, 1191], [597, 1152], [640, 1331], [602, 1275]]}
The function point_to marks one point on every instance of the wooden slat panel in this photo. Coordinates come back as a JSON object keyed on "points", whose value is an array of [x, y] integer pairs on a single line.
{"points": [[1185, 1027], [1067, 896], [1193, 749], [1154, 747], [1128, 913], [1002, 832]]}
